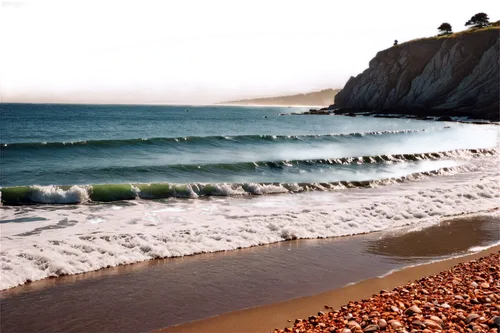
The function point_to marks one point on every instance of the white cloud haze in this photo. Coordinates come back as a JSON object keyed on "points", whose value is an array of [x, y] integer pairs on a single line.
{"points": [[202, 51]]}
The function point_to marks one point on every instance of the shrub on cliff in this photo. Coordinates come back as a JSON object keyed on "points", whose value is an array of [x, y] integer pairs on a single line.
{"points": [[445, 29], [479, 20]]}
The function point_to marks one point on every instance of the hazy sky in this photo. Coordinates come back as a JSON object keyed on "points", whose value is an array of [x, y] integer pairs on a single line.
{"points": [[201, 51]]}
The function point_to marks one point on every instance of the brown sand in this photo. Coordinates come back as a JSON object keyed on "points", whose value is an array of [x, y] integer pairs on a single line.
{"points": [[267, 318]]}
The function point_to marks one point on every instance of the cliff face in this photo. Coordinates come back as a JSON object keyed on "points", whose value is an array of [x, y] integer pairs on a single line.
{"points": [[459, 72]]}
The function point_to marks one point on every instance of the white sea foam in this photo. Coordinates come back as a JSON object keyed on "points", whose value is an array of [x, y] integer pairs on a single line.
{"points": [[475, 249], [94, 236], [52, 194]]}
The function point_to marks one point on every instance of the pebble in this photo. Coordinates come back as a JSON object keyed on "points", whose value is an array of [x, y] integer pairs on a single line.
{"points": [[382, 323], [371, 328], [418, 323], [432, 324], [471, 317], [395, 324], [412, 310], [353, 324], [437, 320]]}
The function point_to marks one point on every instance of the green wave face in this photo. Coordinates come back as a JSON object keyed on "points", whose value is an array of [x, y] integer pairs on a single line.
{"points": [[112, 192], [18, 195]]}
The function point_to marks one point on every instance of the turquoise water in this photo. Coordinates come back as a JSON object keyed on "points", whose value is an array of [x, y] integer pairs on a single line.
{"points": [[64, 145]]}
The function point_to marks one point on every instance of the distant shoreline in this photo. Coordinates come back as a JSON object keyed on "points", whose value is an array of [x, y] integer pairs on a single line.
{"points": [[271, 105], [160, 104]]}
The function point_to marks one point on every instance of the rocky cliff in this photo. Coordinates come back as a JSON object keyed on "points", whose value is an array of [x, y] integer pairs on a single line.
{"points": [[458, 73]]}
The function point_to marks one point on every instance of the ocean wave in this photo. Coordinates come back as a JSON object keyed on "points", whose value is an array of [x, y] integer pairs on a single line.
{"points": [[51, 250], [21, 195], [191, 139]]}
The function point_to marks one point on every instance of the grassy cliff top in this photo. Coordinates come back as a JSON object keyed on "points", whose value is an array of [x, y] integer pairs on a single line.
{"points": [[493, 26]]}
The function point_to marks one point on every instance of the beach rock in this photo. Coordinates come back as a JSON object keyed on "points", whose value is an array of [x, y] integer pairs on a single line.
{"points": [[437, 320], [353, 325], [395, 324], [413, 310], [394, 308], [371, 328], [346, 330], [459, 73], [485, 285], [471, 317], [382, 323], [445, 306], [432, 324], [418, 323]]}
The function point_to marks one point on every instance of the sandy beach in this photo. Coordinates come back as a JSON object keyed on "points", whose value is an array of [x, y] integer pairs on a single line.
{"points": [[263, 319]]}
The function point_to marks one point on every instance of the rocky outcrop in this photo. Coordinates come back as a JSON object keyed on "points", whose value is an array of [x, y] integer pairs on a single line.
{"points": [[458, 73]]}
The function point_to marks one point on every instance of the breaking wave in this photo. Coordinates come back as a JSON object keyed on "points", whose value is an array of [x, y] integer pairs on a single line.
{"points": [[75, 194]]}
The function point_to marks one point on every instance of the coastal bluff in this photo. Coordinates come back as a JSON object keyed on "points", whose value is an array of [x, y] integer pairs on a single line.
{"points": [[452, 75]]}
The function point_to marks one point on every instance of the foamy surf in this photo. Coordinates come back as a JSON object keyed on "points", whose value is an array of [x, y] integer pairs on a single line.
{"points": [[91, 237]]}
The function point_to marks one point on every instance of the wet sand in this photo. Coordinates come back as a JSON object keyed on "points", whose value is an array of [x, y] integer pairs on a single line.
{"points": [[169, 292], [267, 318]]}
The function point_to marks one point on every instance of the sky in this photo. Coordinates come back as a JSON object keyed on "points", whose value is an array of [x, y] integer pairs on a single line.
{"points": [[203, 51]]}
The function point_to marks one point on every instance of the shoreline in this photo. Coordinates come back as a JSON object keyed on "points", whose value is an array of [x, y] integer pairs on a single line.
{"points": [[272, 105], [491, 213], [282, 314], [177, 291], [401, 114]]}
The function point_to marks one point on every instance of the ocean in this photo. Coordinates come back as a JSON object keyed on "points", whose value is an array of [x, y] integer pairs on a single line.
{"points": [[86, 187]]}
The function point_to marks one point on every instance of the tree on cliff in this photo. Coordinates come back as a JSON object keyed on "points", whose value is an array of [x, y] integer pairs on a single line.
{"points": [[479, 20], [445, 29]]}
